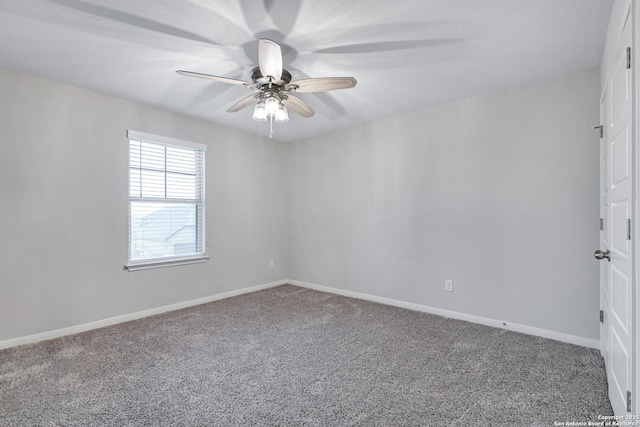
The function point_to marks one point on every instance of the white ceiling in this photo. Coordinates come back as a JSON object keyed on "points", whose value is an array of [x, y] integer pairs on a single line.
{"points": [[406, 54]]}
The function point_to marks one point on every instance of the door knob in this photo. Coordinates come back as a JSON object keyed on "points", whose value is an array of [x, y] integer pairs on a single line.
{"points": [[602, 254]]}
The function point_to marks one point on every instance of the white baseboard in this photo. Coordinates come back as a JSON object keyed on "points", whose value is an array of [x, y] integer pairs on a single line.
{"points": [[529, 330], [29, 339]]}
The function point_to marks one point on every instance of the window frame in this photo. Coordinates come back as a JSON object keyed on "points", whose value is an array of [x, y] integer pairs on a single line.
{"points": [[149, 263]]}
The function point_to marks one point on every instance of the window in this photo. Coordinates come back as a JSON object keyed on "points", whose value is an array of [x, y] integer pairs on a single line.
{"points": [[166, 201]]}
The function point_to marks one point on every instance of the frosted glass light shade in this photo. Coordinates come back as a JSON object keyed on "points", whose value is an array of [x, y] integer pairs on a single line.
{"points": [[282, 115], [260, 112], [272, 105]]}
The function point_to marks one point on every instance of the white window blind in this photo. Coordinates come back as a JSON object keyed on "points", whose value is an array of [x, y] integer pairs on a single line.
{"points": [[166, 201]]}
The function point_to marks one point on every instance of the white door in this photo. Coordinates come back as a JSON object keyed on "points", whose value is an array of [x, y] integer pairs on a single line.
{"points": [[617, 213]]}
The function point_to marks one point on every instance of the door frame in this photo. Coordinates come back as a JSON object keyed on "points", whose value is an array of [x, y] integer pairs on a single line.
{"points": [[635, 109]]}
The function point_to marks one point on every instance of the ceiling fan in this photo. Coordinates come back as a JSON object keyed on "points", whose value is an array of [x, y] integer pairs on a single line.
{"points": [[273, 86]]}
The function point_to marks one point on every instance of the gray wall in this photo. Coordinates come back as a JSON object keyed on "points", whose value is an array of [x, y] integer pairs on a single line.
{"points": [[63, 208], [498, 193]]}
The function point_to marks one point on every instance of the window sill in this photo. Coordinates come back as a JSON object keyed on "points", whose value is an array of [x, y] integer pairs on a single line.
{"points": [[146, 265]]}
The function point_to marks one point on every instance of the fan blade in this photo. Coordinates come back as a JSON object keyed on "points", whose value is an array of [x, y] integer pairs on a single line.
{"points": [[326, 98], [243, 103], [297, 105], [322, 84], [270, 59], [214, 78]]}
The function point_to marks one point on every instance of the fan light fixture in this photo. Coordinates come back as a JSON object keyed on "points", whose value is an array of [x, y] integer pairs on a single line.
{"points": [[272, 108]]}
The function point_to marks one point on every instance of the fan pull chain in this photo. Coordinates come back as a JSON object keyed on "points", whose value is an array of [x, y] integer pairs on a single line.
{"points": [[271, 127]]}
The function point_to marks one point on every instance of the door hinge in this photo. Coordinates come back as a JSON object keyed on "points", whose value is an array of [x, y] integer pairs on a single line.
{"points": [[601, 316], [628, 229], [628, 401], [601, 224], [628, 57], [601, 130]]}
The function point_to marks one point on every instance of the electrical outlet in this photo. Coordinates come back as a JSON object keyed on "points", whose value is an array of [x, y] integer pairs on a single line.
{"points": [[448, 285], [272, 264]]}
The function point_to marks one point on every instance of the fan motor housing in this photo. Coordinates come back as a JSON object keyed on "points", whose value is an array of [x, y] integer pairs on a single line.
{"points": [[259, 80]]}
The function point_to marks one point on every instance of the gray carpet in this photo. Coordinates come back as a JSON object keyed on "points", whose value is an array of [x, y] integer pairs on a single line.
{"points": [[289, 356]]}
